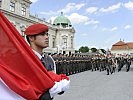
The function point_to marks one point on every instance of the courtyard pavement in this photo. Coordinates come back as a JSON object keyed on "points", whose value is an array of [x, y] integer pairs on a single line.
{"points": [[99, 86]]}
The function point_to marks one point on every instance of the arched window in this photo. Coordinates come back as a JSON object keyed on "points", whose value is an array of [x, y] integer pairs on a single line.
{"points": [[64, 42], [22, 28], [12, 6], [23, 11]]}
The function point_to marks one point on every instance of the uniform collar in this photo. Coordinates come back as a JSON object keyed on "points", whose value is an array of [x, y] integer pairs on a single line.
{"points": [[37, 54]]}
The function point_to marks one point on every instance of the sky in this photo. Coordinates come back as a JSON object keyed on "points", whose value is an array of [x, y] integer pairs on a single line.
{"points": [[98, 23]]}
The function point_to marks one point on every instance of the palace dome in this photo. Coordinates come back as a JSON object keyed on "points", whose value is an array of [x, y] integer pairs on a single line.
{"points": [[62, 20]]}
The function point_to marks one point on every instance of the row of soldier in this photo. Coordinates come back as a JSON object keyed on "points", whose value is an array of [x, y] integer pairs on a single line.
{"points": [[124, 61], [75, 63], [71, 64], [118, 62]]}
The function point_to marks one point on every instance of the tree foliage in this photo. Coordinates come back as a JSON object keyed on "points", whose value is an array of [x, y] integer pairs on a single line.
{"points": [[83, 49], [93, 49], [103, 51]]}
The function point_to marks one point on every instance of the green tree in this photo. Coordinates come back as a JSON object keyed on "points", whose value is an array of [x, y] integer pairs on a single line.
{"points": [[103, 51], [76, 51], [83, 49], [93, 49]]}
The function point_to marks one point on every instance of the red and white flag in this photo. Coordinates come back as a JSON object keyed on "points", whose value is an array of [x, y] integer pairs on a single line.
{"points": [[20, 69]]}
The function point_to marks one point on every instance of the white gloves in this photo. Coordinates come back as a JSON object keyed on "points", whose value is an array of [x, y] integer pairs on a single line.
{"points": [[63, 85]]}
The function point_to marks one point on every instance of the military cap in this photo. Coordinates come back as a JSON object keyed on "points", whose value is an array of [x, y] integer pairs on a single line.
{"points": [[36, 29]]}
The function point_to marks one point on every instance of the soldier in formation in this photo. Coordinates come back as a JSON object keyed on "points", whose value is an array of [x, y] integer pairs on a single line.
{"points": [[76, 63], [71, 64]]}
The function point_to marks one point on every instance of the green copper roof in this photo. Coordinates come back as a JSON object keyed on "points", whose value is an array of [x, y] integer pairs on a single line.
{"points": [[62, 20]]}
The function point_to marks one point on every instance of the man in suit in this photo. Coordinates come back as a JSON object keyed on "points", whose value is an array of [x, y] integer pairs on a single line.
{"points": [[37, 37]]}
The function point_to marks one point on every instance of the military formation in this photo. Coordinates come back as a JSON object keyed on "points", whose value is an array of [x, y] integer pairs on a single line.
{"points": [[71, 64], [76, 63]]}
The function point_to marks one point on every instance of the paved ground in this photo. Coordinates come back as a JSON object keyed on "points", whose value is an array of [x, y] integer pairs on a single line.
{"points": [[99, 86]]}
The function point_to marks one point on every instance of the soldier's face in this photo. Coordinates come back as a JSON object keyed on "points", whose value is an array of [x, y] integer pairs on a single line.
{"points": [[41, 40]]}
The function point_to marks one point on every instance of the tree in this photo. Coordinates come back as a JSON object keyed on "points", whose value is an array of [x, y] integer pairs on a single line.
{"points": [[83, 49], [93, 49], [103, 51], [76, 51]]}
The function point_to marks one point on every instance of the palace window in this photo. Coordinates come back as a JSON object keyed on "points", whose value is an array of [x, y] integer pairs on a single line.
{"points": [[22, 33], [65, 42], [12, 6], [23, 11], [22, 28], [0, 3]]}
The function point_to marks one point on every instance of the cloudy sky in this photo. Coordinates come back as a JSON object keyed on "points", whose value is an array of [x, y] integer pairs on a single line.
{"points": [[98, 23]]}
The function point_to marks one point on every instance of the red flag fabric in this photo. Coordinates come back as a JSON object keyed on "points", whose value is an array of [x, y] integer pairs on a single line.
{"points": [[57, 77], [20, 69]]}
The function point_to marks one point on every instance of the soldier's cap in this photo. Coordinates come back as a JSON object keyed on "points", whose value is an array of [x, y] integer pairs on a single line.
{"points": [[36, 29]]}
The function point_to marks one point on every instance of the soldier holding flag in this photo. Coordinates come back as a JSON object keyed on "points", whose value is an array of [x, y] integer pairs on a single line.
{"points": [[22, 75]]}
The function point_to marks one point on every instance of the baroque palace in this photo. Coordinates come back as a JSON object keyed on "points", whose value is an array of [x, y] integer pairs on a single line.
{"points": [[61, 32]]}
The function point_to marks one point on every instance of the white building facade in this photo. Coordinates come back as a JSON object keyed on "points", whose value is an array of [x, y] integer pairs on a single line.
{"points": [[61, 32]]}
